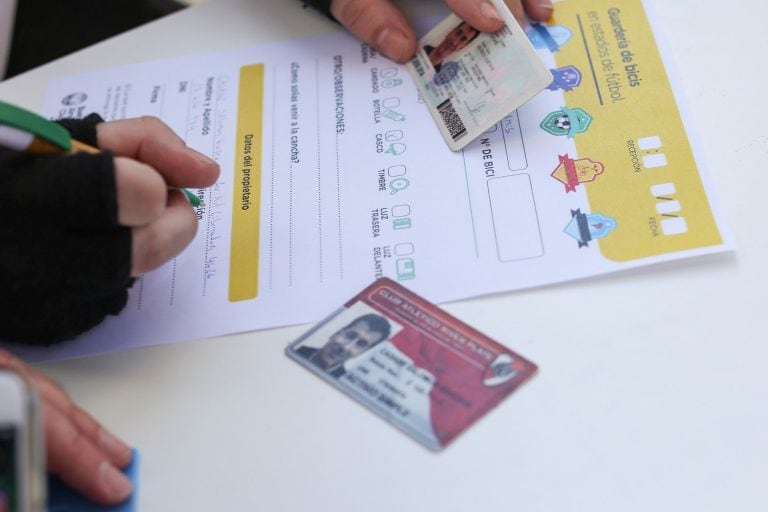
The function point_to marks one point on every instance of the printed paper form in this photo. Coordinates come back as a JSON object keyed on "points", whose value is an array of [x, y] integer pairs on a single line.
{"points": [[333, 174]]}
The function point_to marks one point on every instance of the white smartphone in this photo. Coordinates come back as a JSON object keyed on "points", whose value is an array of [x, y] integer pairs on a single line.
{"points": [[22, 484]]}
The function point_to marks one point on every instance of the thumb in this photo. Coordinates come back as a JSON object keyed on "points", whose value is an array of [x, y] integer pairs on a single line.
{"points": [[378, 23]]}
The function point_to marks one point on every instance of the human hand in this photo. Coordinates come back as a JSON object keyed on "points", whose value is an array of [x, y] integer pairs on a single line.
{"points": [[78, 449], [116, 215], [149, 158], [383, 26]]}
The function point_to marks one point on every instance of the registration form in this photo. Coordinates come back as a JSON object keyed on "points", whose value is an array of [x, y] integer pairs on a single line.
{"points": [[334, 174]]}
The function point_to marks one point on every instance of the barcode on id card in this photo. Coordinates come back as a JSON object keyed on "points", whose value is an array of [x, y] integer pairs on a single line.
{"points": [[452, 120]]}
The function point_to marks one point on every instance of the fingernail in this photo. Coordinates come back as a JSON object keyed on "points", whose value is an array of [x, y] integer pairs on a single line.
{"points": [[393, 44], [490, 12], [202, 158], [546, 6], [114, 483], [113, 446]]}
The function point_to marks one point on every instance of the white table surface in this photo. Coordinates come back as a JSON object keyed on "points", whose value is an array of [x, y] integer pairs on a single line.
{"points": [[653, 385]]}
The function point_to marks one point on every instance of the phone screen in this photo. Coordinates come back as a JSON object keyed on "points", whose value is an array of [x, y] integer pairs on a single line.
{"points": [[8, 476]]}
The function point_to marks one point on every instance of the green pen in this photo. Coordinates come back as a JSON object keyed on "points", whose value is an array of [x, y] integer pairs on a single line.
{"points": [[22, 130]]}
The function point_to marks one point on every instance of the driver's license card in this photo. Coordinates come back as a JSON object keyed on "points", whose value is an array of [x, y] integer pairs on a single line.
{"points": [[471, 80], [412, 363]]}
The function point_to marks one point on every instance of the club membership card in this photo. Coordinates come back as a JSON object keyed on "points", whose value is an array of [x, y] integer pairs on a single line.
{"points": [[471, 80], [412, 363]]}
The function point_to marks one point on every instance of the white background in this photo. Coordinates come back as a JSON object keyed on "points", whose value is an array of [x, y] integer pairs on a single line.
{"points": [[652, 392]]}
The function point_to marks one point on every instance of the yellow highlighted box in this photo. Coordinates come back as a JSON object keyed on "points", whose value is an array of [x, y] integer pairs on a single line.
{"points": [[651, 184], [246, 199]]}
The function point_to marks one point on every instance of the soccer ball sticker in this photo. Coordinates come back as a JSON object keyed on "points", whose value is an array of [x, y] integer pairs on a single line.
{"points": [[566, 122]]}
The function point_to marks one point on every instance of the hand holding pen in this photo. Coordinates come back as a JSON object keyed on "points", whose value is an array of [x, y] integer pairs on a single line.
{"points": [[150, 158], [78, 226]]}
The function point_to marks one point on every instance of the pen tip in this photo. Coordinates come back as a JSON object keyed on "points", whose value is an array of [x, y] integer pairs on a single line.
{"points": [[194, 199]]}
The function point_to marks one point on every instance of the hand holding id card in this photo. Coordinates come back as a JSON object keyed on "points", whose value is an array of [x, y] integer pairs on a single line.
{"points": [[471, 80], [412, 363]]}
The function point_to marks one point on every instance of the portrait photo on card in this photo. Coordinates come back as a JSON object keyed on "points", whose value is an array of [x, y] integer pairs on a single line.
{"points": [[344, 337], [448, 40]]}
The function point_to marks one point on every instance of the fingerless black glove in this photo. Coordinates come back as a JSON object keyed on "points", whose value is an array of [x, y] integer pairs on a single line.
{"points": [[64, 260]]}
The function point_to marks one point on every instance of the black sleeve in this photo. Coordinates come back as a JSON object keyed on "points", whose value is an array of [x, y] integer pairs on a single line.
{"points": [[64, 259]]}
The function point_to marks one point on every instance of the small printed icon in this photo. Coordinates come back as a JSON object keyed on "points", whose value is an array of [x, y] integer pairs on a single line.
{"points": [[393, 115], [549, 37], [572, 173], [74, 99], [567, 122], [392, 102], [565, 78], [401, 210], [398, 184], [405, 268], [586, 227], [388, 73], [502, 369], [396, 170], [391, 82], [393, 135], [403, 223], [401, 214], [404, 249], [397, 148]]}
